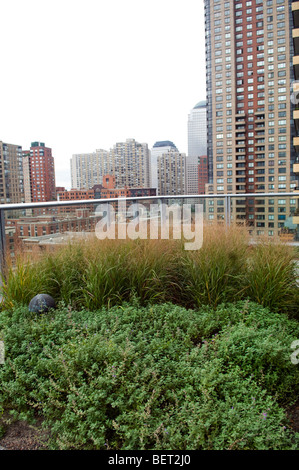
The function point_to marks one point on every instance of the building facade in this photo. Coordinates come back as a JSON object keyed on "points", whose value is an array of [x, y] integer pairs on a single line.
{"points": [[128, 161], [39, 173], [171, 171], [131, 164], [157, 150], [295, 101], [106, 190], [249, 51], [87, 169], [11, 174], [197, 130]]}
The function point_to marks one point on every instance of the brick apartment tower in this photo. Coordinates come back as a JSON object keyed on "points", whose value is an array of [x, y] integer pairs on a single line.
{"points": [[249, 69], [39, 173]]}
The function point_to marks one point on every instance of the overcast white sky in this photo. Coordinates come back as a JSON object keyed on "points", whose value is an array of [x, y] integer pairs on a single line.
{"points": [[81, 75]]}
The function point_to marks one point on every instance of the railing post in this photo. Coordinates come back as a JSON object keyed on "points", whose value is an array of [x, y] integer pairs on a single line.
{"points": [[227, 203], [108, 215], [136, 214], [162, 213]]}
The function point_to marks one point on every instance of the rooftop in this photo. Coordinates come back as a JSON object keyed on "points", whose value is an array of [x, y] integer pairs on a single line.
{"points": [[164, 143], [200, 104]]}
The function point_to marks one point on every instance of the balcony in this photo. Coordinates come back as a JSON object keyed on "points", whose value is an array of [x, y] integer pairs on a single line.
{"points": [[295, 34], [296, 120], [296, 66], [295, 10], [296, 144], [296, 168]]}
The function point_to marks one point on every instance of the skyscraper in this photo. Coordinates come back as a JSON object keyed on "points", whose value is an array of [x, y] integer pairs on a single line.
{"points": [[295, 100], [131, 164], [158, 149], [196, 161], [87, 169], [249, 51], [11, 174], [39, 173], [171, 171], [128, 162], [197, 130]]}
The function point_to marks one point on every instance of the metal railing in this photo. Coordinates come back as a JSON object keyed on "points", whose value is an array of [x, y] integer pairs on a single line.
{"points": [[89, 202]]}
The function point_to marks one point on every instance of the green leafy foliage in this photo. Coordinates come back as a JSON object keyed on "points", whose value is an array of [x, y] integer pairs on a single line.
{"points": [[153, 377]]}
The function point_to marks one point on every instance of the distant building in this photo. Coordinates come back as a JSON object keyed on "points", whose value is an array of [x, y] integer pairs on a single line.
{"points": [[128, 162], [171, 173], [158, 149], [197, 130], [131, 164], [107, 190], [196, 174], [11, 174], [39, 173], [30, 231], [203, 173], [87, 169], [74, 194]]}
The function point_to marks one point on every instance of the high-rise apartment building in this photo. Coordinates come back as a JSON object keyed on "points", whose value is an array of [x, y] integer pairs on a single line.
{"points": [[196, 174], [39, 173], [128, 162], [171, 170], [131, 164], [11, 174], [196, 162], [192, 164], [295, 100], [157, 150], [249, 59], [197, 130], [87, 169]]}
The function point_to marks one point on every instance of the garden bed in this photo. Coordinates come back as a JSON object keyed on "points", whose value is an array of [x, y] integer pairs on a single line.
{"points": [[156, 377]]}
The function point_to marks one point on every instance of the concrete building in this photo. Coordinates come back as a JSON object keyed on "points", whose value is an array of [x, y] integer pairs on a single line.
{"points": [[157, 150], [295, 96], [196, 174], [171, 171], [197, 130], [128, 161], [131, 164], [11, 174], [87, 169], [250, 133]]}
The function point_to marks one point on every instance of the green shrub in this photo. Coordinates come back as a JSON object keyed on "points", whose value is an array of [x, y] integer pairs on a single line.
{"points": [[155, 377]]}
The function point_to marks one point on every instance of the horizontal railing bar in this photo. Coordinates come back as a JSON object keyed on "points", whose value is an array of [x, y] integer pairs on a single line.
{"points": [[36, 205]]}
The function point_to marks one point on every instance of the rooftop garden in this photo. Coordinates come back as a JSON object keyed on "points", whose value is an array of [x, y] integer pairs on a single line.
{"points": [[154, 347]]}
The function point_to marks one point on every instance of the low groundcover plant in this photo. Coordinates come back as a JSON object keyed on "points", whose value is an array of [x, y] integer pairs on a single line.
{"points": [[153, 377]]}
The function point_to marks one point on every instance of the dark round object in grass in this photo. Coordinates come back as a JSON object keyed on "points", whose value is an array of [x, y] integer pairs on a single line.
{"points": [[41, 303]]}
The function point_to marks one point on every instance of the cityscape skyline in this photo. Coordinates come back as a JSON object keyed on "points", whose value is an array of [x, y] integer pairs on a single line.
{"points": [[112, 71]]}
